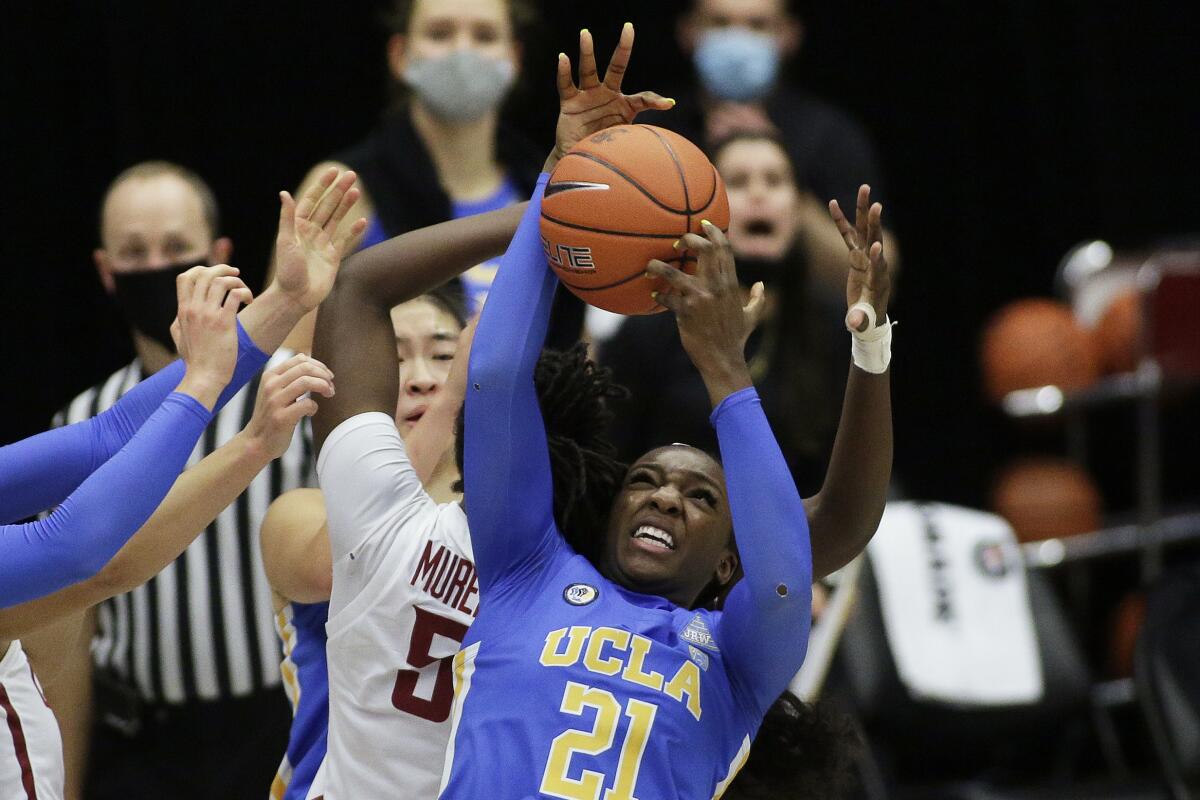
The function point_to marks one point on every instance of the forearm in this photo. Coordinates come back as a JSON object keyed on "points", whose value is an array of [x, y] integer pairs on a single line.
{"points": [[409, 265], [90, 526], [195, 500], [843, 516], [270, 318]]}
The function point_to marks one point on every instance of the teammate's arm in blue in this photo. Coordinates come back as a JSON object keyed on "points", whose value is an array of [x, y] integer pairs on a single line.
{"points": [[39, 472], [91, 525], [764, 630], [506, 472]]}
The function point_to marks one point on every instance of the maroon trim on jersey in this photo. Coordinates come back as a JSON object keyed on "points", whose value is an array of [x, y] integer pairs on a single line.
{"points": [[18, 737]]}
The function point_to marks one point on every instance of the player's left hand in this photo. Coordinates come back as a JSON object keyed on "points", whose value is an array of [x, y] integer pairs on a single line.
{"points": [[282, 402], [594, 105], [713, 322], [308, 248], [870, 279]]}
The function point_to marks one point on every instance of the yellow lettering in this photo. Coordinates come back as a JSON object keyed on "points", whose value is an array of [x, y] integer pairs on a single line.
{"points": [[551, 657], [618, 638], [640, 648], [686, 681]]}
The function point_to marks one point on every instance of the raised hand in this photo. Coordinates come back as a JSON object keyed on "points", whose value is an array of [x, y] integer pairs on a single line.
{"points": [[308, 248], [281, 402], [714, 324], [205, 330], [594, 105], [869, 280]]}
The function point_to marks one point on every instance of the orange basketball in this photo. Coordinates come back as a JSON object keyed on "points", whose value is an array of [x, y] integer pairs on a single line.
{"points": [[1036, 343], [1116, 334], [1046, 498], [620, 198]]}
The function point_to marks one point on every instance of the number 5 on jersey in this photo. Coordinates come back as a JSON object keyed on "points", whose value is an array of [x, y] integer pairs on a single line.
{"points": [[599, 739], [404, 697]]}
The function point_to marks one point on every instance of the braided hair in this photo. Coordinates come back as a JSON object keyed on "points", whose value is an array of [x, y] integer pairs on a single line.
{"points": [[574, 395], [801, 751]]}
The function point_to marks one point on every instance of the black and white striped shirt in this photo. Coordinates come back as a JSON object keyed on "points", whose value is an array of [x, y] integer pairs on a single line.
{"points": [[203, 628]]}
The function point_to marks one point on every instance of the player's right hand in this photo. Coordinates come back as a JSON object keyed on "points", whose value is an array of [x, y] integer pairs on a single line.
{"points": [[594, 105], [205, 330], [283, 401]]}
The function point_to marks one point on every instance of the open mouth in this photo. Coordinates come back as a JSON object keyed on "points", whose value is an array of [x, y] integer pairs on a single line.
{"points": [[656, 537], [760, 227], [415, 416]]}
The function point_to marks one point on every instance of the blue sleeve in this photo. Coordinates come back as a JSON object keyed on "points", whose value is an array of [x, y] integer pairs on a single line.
{"points": [[764, 628], [506, 470], [38, 472], [90, 526]]}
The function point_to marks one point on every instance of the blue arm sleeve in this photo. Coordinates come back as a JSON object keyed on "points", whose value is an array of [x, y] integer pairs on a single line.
{"points": [[90, 526], [764, 629], [506, 468], [38, 472]]}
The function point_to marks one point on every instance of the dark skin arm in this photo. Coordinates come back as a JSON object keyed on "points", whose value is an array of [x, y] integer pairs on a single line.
{"points": [[844, 515], [354, 332]]}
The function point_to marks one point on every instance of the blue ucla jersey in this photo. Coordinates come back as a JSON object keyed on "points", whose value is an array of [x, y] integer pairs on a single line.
{"points": [[621, 695], [301, 629], [568, 685]]}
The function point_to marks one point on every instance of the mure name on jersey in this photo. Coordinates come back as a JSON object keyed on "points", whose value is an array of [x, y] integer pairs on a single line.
{"points": [[448, 578]]}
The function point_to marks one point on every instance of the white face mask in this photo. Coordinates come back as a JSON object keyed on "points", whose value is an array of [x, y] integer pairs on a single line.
{"points": [[461, 86]]}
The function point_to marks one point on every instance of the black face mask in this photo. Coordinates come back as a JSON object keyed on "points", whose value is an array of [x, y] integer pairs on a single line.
{"points": [[149, 301]]}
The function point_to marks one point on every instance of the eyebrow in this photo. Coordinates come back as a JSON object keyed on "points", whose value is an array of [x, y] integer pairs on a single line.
{"points": [[441, 336], [700, 476]]}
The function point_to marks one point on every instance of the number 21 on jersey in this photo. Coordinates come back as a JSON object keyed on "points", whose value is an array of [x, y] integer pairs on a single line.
{"points": [[576, 698]]}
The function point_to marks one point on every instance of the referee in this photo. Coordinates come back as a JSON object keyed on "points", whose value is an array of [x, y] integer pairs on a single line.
{"points": [[187, 688]]}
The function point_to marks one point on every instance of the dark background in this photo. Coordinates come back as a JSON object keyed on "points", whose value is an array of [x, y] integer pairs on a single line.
{"points": [[1008, 132]]}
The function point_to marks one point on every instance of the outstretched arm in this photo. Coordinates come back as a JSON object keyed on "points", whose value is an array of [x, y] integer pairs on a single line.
{"points": [[843, 516], [200, 494], [764, 630], [92, 524], [507, 481]]}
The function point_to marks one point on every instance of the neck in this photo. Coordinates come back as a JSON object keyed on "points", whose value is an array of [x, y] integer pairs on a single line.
{"points": [[440, 484], [152, 354], [464, 154]]}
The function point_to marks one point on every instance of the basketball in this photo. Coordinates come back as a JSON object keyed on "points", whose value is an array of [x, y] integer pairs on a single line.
{"points": [[1116, 334], [620, 198], [1046, 498], [1033, 343]]}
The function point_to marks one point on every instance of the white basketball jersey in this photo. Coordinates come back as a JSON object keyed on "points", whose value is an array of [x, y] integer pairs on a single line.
{"points": [[31, 755], [404, 593]]}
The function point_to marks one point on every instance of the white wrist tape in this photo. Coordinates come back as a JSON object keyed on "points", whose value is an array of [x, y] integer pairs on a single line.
{"points": [[871, 349]]}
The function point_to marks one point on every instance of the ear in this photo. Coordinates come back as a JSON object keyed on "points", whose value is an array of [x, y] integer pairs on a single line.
{"points": [[726, 566], [686, 32], [518, 54], [397, 48], [791, 36], [222, 249], [104, 269]]}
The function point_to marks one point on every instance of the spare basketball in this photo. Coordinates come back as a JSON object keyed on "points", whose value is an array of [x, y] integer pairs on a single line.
{"points": [[1116, 334], [620, 198], [1046, 498], [1033, 343]]}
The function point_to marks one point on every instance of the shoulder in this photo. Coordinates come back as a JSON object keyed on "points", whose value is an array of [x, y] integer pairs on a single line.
{"points": [[794, 108], [299, 508]]}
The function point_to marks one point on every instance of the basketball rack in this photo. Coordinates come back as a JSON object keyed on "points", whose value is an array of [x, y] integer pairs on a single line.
{"points": [[1168, 347]]}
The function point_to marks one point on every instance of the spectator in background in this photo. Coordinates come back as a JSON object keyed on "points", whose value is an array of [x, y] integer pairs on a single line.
{"points": [[799, 369], [441, 151], [190, 657], [738, 48]]}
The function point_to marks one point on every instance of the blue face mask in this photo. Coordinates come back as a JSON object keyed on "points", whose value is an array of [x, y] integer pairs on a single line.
{"points": [[737, 64]]}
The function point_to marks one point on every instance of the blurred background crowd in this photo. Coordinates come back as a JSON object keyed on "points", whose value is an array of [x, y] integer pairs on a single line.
{"points": [[1036, 162]]}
